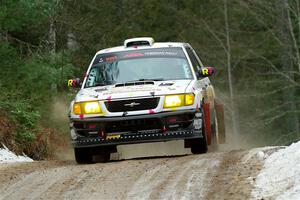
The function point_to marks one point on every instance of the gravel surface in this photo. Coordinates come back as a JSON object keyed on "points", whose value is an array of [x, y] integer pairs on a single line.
{"points": [[221, 175]]}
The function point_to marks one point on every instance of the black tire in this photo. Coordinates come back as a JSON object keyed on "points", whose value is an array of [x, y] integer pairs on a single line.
{"points": [[198, 146], [103, 156], [83, 156]]}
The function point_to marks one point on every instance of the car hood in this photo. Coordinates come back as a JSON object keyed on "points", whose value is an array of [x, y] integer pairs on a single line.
{"points": [[157, 88]]}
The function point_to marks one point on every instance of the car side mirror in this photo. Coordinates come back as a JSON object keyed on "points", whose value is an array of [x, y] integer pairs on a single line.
{"points": [[206, 71], [74, 83]]}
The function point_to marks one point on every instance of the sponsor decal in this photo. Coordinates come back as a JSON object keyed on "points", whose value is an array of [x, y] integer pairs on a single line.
{"points": [[72, 83], [161, 53], [108, 98], [208, 71], [111, 58], [130, 55], [197, 123], [151, 111], [109, 137]]}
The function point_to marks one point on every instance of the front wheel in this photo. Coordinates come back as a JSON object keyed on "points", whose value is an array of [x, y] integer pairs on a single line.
{"points": [[103, 155], [198, 146], [83, 156]]}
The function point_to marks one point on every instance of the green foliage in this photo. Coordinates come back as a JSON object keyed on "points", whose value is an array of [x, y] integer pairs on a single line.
{"points": [[17, 14], [22, 114], [24, 136]]}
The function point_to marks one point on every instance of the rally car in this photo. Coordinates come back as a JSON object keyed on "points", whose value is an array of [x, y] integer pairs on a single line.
{"points": [[144, 91]]}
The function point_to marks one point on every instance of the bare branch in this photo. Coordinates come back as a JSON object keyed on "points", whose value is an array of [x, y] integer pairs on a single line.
{"points": [[261, 21], [267, 93], [215, 36], [287, 135], [277, 70], [273, 118], [291, 30], [275, 109]]}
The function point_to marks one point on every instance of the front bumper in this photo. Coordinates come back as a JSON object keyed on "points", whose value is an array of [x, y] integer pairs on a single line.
{"points": [[104, 131]]}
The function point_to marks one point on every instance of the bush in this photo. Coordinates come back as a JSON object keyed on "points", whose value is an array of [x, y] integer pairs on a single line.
{"points": [[25, 95]]}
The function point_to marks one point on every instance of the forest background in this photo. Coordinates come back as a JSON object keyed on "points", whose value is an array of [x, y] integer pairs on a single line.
{"points": [[253, 45]]}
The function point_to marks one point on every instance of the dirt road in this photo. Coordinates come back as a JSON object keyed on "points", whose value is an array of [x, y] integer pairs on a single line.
{"points": [[223, 175]]}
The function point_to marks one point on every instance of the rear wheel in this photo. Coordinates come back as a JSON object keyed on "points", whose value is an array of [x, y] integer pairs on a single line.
{"points": [[220, 122], [83, 156], [214, 130], [206, 126]]}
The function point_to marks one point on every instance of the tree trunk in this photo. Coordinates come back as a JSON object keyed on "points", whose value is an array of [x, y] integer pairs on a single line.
{"points": [[52, 36], [234, 113], [71, 41]]}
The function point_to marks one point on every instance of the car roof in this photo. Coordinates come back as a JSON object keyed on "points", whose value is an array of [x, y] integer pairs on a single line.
{"points": [[154, 45]]}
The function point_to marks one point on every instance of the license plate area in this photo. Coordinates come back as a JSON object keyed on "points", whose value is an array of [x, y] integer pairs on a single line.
{"points": [[113, 136]]}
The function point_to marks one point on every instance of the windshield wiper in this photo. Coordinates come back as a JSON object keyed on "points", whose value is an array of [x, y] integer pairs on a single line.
{"points": [[151, 79], [96, 85], [146, 79], [99, 84]]}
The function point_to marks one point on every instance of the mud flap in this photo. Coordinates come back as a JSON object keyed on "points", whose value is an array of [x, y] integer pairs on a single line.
{"points": [[207, 122], [221, 122]]}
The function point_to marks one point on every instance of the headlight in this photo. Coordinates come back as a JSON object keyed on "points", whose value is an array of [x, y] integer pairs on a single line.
{"points": [[92, 107], [172, 101], [189, 99]]}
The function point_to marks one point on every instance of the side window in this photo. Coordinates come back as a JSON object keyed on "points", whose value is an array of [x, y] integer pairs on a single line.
{"points": [[92, 77], [198, 58], [194, 60]]}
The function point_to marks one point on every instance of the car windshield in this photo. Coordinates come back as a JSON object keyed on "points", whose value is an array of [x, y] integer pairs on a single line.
{"points": [[150, 64]]}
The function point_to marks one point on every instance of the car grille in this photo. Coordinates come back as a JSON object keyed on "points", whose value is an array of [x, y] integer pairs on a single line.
{"points": [[132, 104]]}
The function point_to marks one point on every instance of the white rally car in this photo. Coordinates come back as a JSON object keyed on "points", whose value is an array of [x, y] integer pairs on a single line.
{"points": [[144, 91]]}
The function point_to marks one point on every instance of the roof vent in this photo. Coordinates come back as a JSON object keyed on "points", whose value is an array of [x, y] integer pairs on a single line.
{"points": [[141, 41]]}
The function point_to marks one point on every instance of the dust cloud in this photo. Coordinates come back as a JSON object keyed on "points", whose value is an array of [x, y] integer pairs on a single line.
{"points": [[244, 139], [59, 117], [60, 110]]}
